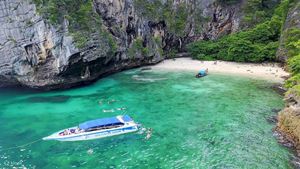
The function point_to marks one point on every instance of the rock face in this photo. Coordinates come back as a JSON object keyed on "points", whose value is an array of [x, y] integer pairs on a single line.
{"points": [[37, 54], [288, 129], [292, 21]]}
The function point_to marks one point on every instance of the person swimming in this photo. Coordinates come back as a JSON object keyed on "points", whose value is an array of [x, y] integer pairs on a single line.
{"points": [[149, 134]]}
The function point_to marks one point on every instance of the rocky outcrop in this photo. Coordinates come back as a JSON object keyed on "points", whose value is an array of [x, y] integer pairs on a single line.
{"points": [[212, 18], [288, 128], [37, 54], [225, 19]]}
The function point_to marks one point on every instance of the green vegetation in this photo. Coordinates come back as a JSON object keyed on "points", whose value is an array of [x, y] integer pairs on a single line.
{"points": [[294, 64], [79, 13], [158, 41], [137, 47], [292, 42], [293, 45], [296, 90], [293, 81], [83, 21], [171, 53], [156, 10], [258, 11], [10, 38], [253, 45]]}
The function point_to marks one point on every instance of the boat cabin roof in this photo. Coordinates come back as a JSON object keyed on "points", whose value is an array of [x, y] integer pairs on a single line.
{"points": [[104, 122]]}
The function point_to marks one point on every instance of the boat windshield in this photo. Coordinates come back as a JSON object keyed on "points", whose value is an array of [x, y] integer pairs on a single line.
{"points": [[104, 127]]}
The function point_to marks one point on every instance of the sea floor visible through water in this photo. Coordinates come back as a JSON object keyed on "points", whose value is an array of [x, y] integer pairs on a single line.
{"points": [[218, 121]]}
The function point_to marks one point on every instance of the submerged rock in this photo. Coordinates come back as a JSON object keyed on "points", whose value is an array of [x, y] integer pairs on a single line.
{"points": [[279, 89], [272, 119], [296, 162]]}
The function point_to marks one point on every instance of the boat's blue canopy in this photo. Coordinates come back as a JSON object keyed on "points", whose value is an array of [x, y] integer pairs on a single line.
{"points": [[202, 72], [127, 118], [99, 122]]}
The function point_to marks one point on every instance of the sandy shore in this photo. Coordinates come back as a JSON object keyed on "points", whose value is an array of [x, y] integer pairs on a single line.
{"points": [[267, 71]]}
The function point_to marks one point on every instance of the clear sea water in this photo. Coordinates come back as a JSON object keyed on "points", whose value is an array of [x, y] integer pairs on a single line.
{"points": [[215, 122]]}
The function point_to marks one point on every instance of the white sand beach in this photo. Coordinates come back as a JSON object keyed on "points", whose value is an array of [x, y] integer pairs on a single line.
{"points": [[267, 71]]}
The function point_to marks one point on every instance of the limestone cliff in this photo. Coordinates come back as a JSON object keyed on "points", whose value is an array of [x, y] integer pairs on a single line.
{"points": [[39, 54]]}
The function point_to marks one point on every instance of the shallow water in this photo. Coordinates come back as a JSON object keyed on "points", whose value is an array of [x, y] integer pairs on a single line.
{"points": [[214, 122]]}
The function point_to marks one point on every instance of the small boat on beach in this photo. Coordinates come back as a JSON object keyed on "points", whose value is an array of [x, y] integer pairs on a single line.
{"points": [[94, 129], [202, 73]]}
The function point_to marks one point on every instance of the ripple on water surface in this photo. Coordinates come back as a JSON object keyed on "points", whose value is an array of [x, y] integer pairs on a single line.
{"points": [[214, 122]]}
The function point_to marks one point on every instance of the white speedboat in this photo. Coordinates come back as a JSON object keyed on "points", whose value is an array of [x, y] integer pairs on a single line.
{"points": [[95, 129]]}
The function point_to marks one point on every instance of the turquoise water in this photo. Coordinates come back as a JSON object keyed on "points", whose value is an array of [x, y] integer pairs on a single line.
{"points": [[214, 122]]}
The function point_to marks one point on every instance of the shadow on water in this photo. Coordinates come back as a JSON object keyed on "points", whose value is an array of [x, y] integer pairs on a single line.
{"points": [[49, 99], [59, 98], [16, 91]]}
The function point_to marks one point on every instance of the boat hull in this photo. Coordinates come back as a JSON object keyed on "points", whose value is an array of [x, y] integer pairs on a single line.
{"points": [[94, 134]]}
